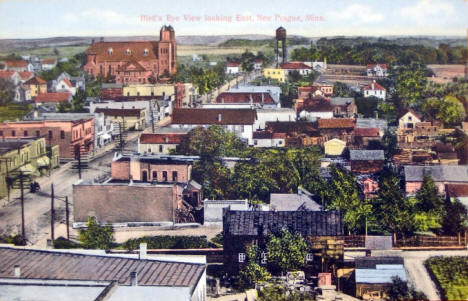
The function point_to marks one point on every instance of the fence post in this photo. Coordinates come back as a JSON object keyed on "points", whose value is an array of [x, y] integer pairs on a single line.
{"points": [[459, 238]]}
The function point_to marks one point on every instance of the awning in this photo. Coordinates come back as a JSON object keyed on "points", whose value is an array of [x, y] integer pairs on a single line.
{"points": [[28, 168], [43, 161]]}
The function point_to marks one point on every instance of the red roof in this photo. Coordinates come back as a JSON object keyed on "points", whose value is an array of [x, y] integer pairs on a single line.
{"points": [[214, 116], [50, 61], [6, 74], [68, 82], [372, 66], [36, 80], [294, 65], [16, 64], [172, 138], [25, 75], [335, 123], [53, 97], [234, 97], [233, 64], [457, 190], [367, 132], [268, 135], [374, 86], [117, 51]]}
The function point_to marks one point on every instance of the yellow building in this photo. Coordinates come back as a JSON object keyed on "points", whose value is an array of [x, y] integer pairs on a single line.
{"points": [[36, 86], [334, 147], [27, 155], [149, 90], [275, 73], [130, 119]]}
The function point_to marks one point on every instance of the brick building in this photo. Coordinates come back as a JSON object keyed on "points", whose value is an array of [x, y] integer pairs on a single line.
{"points": [[134, 61], [366, 161], [149, 189], [69, 134]]}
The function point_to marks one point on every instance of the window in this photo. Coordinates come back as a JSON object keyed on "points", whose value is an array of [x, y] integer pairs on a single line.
{"points": [[164, 176], [410, 118], [13, 133], [110, 51], [241, 257], [155, 175], [309, 257], [145, 52], [62, 134], [174, 176], [128, 52], [160, 148], [1, 133], [25, 133], [263, 258]]}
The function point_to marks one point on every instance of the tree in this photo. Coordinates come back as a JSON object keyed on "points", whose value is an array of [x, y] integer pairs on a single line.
{"points": [[342, 90], [391, 208], [451, 111], [455, 217], [96, 236], [399, 290], [279, 292], [253, 273], [7, 91], [428, 196], [247, 61], [286, 251], [410, 82], [56, 51]]}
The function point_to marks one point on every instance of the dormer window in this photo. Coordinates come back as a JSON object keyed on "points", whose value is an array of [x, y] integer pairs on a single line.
{"points": [[128, 52], [110, 51], [145, 52]]}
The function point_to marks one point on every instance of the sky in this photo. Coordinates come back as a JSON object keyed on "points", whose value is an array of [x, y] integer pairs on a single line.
{"points": [[311, 18]]}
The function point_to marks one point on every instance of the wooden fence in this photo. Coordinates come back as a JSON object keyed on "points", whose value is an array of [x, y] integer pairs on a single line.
{"points": [[359, 241]]}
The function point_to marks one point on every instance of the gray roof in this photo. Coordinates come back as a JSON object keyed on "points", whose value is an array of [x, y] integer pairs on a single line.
{"points": [[61, 116], [379, 269], [307, 223], [363, 155], [293, 201], [111, 86], [439, 173], [371, 123], [39, 264], [340, 101]]}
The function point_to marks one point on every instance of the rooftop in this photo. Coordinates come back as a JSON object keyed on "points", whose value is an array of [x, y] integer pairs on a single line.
{"points": [[336, 123], [294, 65], [39, 264], [7, 145], [439, 173], [366, 155], [160, 138], [119, 112], [214, 116], [253, 223], [245, 97], [293, 202], [53, 97], [367, 132]]}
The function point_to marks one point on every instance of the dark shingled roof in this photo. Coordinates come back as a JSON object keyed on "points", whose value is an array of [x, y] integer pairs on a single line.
{"points": [[119, 112], [314, 223], [36, 264], [371, 262], [214, 116], [439, 173]]}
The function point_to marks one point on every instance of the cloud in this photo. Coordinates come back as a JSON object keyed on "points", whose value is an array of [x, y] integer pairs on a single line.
{"points": [[358, 13], [427, 9]]}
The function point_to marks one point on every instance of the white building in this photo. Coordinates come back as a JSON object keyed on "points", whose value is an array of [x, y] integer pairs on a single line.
{"points": [[213, 210], [300, 67], [409, 119], [268, 139], [233, 68], [379, 70], [271, 115], [374, 89], [237, 121], [162, 141]]}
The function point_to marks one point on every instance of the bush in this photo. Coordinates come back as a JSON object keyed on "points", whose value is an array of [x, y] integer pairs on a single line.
{"points": [[169, 242], [63, 243], [12, 239], [451, 276]]}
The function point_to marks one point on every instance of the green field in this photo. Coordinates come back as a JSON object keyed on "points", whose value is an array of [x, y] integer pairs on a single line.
{"points": [[13, 111], [64, 51], [451, 275]]}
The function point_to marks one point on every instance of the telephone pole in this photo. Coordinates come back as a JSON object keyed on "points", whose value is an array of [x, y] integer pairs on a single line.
{"points": [[67, 212], [23, 234], [52, 213]]}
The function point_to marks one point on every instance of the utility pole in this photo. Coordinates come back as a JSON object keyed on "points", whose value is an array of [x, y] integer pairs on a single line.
{"points": [[23, 234], [67, 213], [52, 212]]}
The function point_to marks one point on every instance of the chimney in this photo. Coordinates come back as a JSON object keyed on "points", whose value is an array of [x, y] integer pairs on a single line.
{"points": [[35, 113], [17, 271], [219, 117], [143, 247], [263, 98], [133, 279], [102, 39]]}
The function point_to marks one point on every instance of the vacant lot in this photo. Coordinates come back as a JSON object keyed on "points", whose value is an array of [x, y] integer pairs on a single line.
{"points": [[451, 275], [63, 51], [14, 111]]}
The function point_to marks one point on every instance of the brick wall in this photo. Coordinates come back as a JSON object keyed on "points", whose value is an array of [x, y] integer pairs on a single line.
{"points": [[123, 169], [126, 203]]}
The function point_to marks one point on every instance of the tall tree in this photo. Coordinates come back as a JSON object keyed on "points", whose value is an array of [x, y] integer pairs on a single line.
{"points": [[455, 219], [96, 236], [286, 251], [253, 273], [7, 91], [410, 82]]}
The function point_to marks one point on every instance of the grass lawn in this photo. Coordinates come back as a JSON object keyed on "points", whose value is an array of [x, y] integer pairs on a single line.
{"points": [[64, 51], [451, 275], [13, 111]]}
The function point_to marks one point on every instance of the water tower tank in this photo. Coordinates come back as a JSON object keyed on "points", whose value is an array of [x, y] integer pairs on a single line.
{"points": [[281, 33]]}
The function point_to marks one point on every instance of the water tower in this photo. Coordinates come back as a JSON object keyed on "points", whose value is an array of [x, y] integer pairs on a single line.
{"points": [[281, 36]]}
